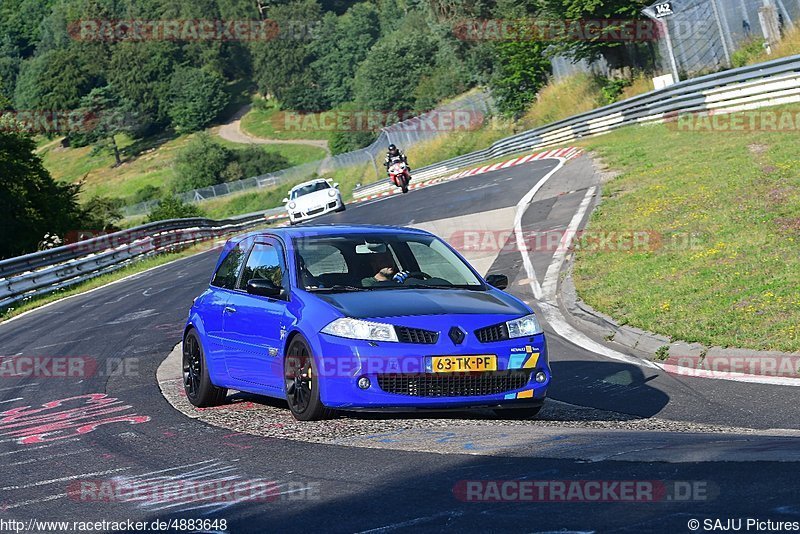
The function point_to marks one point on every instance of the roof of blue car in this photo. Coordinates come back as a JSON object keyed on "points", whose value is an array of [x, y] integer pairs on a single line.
{"points": [[290, 232]]}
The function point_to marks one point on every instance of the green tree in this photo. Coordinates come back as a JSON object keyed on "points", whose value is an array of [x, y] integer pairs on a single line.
{"points": [[109, 116], [21, 21], [9, 67], [197, 98], [254, 161], [592, 49], [342, 141], [342, 43], [386, 79], [171, 207], [201, 163], [32, 203], [56, 80], [148, 192], [281, 65], [520, 70], [141, 73], [101, 214]]}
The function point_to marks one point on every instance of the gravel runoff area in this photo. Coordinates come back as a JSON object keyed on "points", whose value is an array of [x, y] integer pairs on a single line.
{"points": [[267, 417]]}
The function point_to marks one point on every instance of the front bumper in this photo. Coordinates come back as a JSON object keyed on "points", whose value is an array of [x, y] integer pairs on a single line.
{"points": [[405, 369], [304, 215]]}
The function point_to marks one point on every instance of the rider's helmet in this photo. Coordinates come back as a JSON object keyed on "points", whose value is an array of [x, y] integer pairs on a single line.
{"points": [[393, 150]]}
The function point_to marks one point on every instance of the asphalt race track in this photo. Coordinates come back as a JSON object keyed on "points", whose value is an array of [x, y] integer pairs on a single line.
{"points": [[735, 444]]}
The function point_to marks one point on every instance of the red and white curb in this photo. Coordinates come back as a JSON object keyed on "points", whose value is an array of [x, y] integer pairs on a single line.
{"points": [[566, 153], [562, 153]]}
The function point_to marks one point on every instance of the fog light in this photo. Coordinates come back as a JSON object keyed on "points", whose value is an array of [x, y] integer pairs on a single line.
{"points": [[540, 377], [363, 382]]}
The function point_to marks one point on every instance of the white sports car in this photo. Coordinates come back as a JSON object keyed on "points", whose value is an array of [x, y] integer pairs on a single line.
{"points": [[312, 199]]}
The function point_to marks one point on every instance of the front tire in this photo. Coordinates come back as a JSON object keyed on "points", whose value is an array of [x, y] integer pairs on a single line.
{"points": [[300, 383], [341, 208], [196, 380]]}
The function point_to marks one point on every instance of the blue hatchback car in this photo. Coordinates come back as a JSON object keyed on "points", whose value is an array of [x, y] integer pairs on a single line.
{"points": [[361, 318]]}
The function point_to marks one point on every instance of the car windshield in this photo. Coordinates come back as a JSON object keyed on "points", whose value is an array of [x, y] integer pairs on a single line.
{"points": [[310, 188], [380, 262]]}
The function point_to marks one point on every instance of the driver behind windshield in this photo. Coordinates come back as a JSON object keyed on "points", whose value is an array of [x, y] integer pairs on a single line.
{"points": [[385, 270]]}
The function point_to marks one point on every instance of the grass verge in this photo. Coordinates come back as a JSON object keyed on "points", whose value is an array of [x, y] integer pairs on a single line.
{"points": [[723, 213]]}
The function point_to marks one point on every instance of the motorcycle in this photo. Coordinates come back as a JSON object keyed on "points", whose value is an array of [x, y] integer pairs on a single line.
{"points": [[400, 176]]}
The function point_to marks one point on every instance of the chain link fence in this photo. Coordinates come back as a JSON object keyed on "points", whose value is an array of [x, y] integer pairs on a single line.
{"points": [[701, 36], [472, 107]]}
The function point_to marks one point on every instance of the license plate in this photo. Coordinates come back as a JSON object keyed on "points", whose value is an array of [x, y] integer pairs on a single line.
{"points": [[461, 364]]}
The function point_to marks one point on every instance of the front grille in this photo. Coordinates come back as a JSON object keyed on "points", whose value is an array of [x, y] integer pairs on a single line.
{"points": [[496, 332], [415, 335], [315, 211], [332, 204], [454, 384]]}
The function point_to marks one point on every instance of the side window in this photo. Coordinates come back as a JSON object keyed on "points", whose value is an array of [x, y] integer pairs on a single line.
{"points": [[228, 271], [264, 263]]}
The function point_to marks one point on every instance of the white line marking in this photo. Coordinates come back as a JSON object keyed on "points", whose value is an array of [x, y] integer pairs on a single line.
{"points": [[723, 375], [49, 457], [522, 207], [550, 282], [34, 501], [10, 400], [21, 385], [546, 295], [63, 479], [28, 449]]}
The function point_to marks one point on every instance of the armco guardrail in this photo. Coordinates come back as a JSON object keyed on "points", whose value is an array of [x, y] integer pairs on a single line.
{"points": [[766, 84], [43, 272]]}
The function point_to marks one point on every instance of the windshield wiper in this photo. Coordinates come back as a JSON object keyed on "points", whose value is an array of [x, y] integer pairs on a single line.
{"points": [[338, 287]]}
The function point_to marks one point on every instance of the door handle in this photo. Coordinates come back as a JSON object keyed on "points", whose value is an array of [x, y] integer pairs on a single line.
{"points": [[229, 309]]}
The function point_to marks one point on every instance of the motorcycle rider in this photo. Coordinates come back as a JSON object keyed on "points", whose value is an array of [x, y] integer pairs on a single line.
{"points": [[393, 156]]}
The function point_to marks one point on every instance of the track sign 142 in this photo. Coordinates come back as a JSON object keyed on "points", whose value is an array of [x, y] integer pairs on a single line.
{"points": [[663, 9]]}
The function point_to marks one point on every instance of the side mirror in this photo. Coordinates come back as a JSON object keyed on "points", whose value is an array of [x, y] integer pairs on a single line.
{"points": [[265, 288], [500, 281], [285, 200], [336, 185]]}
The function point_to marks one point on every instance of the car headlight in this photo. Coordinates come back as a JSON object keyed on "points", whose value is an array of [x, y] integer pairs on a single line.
{"points": [[332, 193], [358, 329], [292, 205], [524, 327]]}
